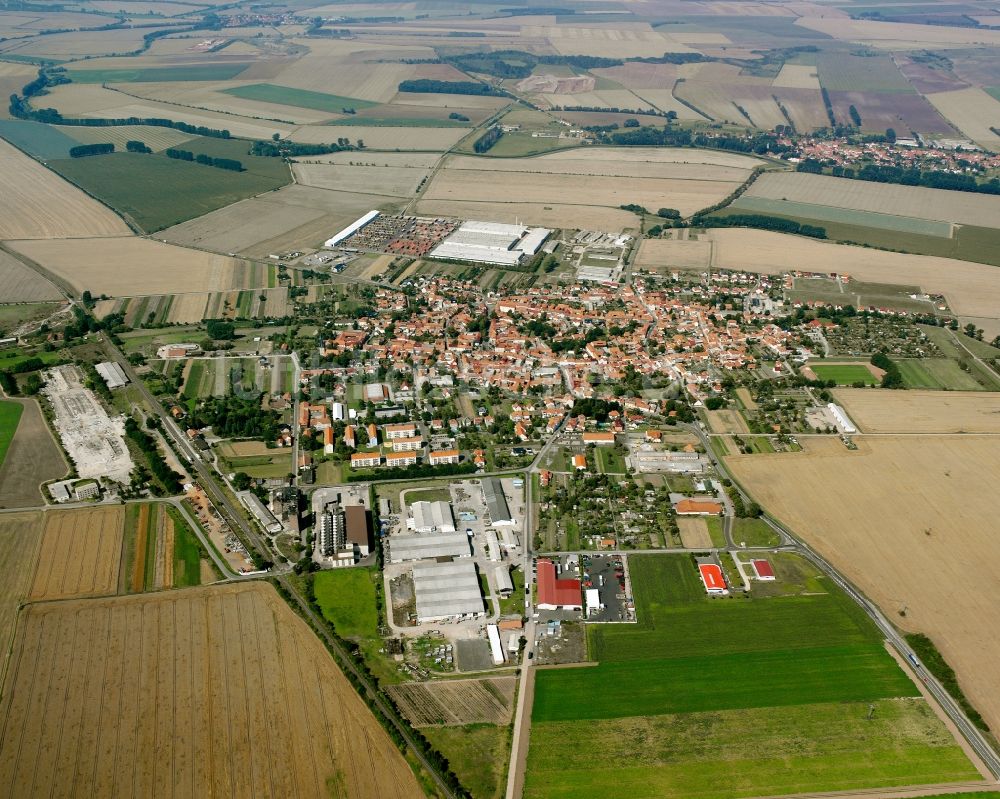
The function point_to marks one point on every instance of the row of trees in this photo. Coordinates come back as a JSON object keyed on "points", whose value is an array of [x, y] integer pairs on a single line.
{"points": [[169, 481], [83, 150], [428, 86], [488, 139], [761, 222], [207, 160], [903, 176]]}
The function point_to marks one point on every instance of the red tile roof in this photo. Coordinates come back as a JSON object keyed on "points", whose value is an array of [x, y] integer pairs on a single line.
{"points": [[556, 592]]}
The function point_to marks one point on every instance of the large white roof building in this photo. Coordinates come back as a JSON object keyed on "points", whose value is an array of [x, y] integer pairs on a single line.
{"points": [[491, 243], [447, 590]]}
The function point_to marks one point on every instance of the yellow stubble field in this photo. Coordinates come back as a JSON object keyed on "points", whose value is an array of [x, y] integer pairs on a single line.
{"points": [[38, 204], [911, 521], [80, 553], [917, 411], [218, 691]]}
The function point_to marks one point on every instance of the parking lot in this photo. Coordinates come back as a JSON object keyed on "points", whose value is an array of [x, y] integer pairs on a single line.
{"points": [[609, 575]]}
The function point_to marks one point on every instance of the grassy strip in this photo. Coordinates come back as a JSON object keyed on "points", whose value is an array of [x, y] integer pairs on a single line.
{"points": [[10, 416], [188, 552], [201, 72], [935, 663], [297, 98]]}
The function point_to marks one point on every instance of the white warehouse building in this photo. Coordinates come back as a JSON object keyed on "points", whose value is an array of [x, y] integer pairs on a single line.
{"points": [[447, 590], [432, 517], [491, 243]]}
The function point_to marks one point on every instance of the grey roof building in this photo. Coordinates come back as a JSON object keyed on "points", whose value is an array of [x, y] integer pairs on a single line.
{"points": [[496, 503], [447, 590], [429, 546]]}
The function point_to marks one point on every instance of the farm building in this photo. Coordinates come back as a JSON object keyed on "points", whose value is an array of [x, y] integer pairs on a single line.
{"points": [[351, 229], [593, 597], [491, 243], [762, 569], [505, 586], [493, 545], [358, 529], [697, 507], [556, 594], [112, 374], [496, 648], [447, 590], [842, 420], [432, 517], [496, 503], [260, 512], [712, 577], [431, 545]]}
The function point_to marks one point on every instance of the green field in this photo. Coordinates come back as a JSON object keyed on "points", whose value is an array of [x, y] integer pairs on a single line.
{"points": [[755, 532], [155, 192], [401, 122], [608, 461], [734, 697], [36, 138], [844, 374], [298, 98], [943, 373], [188, 552], [719, 755], [850, 73], [10, 415], [477, 753], [349, 600], [205, 72], [847, 216]]}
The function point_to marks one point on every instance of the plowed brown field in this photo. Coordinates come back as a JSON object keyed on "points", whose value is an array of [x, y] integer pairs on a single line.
{"points": [[218, 691], [81, 553]]}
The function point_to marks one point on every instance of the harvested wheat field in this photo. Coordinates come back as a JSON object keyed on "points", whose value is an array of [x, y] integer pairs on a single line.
{"points": [[971, 289], [486, 185], [877, 411], [38, 204], [453, 702], [667, 253], [130, 266], [20, 538], [21, 284], [916, 201], [972, 111], [727, 421], [911, 521], [218, 691], [81, 553], [588, 217], [694, 533]]}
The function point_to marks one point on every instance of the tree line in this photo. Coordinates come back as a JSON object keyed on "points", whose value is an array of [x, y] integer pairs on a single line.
{"points": [[207, 160], [762, 222], [903, 176], [428, 86], [488, 139]]}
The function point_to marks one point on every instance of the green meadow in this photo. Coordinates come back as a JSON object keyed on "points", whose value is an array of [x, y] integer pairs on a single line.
{"points": [[733, 697]]}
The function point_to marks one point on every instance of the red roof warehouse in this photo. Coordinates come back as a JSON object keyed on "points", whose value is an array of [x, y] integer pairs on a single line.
{"points": [[711, 576], [554, 594], [763, 569]]}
